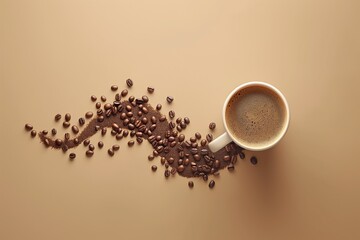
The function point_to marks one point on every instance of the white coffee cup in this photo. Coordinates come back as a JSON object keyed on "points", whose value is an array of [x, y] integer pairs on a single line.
{"points": [[227, 137]]}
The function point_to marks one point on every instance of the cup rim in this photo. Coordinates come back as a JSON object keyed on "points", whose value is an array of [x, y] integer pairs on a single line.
{"points": [[287, 117]]}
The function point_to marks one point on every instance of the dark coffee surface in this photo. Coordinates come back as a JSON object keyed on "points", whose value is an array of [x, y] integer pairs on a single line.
{"points": [[255, 116]]}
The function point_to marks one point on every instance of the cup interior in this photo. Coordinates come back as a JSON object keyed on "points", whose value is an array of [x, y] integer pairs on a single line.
{"points": [[285, 121]]}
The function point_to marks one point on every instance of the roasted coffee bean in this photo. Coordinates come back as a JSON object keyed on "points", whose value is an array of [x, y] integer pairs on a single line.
{"points": [[65, 148], [226, 158], [151, 157], [131, 143], [154, 168], [75, 129], [170, 160], [197, 135], [186, 161], [67, 136], [33, 133], [107, 106], [152, 127], [173, 144], [212, 126], [145, 98], [194, 151], [153, 119], [108, 113], [46, 142], [181, 137], [86, 142], [183, 125], [72, 156], [131, 98], [162, 118], [178, 120], [241, 155], [114, 88], [144, 110], [93, 98], [125, 133], [167, 173], [81, 121], [204, 151], [172, 125], [66, 124], [99, 112], [76, 141], [192, 139], [169, 99], [116, 147], [191, 184], [150, 89], [128, 108], [67, 117], [162, 160], [180, 168], [117, 97], [166, 165], [58, 142], [209, 137], [186, 120], [144, 120], [129, 83], [119, 136], [113, 132], [171, 114], [205, 177], [231, 167], [57, 117], [212, 184], [203, 142], [111, 152], [98, 105], [139, 140], [103, 98], [217, 164], [173, 171], [158, 107], [91, 147], [89, 153], [100, 119], [178, 127], [103, 131], [139, 113], [88, 115], [53, 131], [253, 160], [233, 159], [197, 157], [28, 127], [115, 127]]}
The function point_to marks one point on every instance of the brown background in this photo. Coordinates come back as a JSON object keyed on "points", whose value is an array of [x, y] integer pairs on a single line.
{"points": [[55, 54]]}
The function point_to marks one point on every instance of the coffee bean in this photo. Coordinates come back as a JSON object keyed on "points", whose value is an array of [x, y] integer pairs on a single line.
{"points": [[66, 124], [129, 83], [144, 110], [107, 106], [205, 177], [197, 157], [28, 127], [58, 142], [76, 141], [217, 164], [111, 152], [173, 171], [172, 125], [150, 89], [180, 168], [186, 120], [131, 143], [72, 156], [169, 99], [46, 142], [125, 133], [162, 118], [192, 139], [253, 160], [91, 147], [154, 168], [81, 121], [67, 136], [57, 117], [100, 119], [100, 144], [183, 125], [103, 131], [241, 155], [162, 160], [75, 129], [67, 117], [203, 142], [158, 107], [99, 112], [88, 115], [64, 148], [212, 184], [89, 153], [191, 184], [204, 151], [197, 135], [226, 158], [116, 147], [145, 99], [114, 88], [212, 125], [233, 159], [166, 165], [86, 142], [151, 157], [128, 108], [181, 138], [167, 173], [103, 98], [93, 98], [98, 105], [209, 137], [153, 119], [33, 133], [231, 167]]}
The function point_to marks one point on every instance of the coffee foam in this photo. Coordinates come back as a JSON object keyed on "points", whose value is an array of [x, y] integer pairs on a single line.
{"points": [[255, 116]]}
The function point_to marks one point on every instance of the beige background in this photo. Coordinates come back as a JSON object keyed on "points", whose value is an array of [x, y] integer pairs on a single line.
{"points": [[55, 54]]}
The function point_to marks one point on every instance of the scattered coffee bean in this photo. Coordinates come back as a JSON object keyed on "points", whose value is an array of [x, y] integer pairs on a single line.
{"points": [[67, 117], [75, 129], [145, 99], [44, 132], [191, 184], [231, 167], [209, 137], [154, 168], [167, 173], [89, 153], [180, 168], [76, 141], [93, 98], [253, 160], [28, 127], [171, 114], [67, 136], [241, 155], [107, 106], [131, 143], [66, 124], [212, 125], [103, 98], [72, 156], [205, 177], [158, 107], [86, 142], [181, 138], [150, 89], [169, 99], [162, 118], [151, 157], [53, 131], [103, 131], [129, 83], [113, 88], [131, 98], [58, 142], [197, 135], [81, 121], [33, 133], [203, 142], [116, 147], [46, 142], [212, 184], [226, 158], [91, 147], [57, 117], [186, 120], [100, 144], [98, 105]]}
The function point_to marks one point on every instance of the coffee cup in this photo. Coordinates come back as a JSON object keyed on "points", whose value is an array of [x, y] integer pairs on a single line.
{"points": [[255, 115]]}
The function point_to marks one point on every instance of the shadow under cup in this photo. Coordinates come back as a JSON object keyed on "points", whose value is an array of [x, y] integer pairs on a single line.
{"points": [[256, 116]]}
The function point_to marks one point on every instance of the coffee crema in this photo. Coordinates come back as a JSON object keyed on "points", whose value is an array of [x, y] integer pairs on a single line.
{"points": [[255, 116]]}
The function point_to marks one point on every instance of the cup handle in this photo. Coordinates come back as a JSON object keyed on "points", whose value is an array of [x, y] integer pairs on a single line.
{"points": [[220, 142]]}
